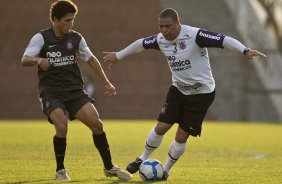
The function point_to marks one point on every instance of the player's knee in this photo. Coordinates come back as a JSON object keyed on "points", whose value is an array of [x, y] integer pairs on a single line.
{"points": [[181, 138], [97, 126], [159, 131], [162, 128], [61, 130]]}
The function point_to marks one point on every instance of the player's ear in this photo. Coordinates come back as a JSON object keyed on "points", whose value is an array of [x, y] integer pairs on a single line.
{"points": [[178, 23]]}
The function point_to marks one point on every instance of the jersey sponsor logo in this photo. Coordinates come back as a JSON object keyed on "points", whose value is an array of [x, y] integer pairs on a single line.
{"points": [[179, 65], [53, 54], [209, 36], [185, 87], [151, 41], [56, 59]]}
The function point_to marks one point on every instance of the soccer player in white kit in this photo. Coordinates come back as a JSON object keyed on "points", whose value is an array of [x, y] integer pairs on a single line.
{"points": [[193, 87]]}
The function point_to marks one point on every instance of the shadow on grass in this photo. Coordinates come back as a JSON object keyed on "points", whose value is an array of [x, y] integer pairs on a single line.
{"points": [[47, 181], [122, 181], [104, 180]]}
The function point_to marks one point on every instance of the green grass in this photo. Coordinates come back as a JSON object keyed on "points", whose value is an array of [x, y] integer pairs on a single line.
{"points": [[225, 153]]}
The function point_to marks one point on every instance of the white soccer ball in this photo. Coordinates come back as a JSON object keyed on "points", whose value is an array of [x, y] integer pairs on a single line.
{"points": [[151, 170]]}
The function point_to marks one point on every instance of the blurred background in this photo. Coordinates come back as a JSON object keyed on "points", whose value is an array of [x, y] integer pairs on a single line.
{"points": [[246, 90]]}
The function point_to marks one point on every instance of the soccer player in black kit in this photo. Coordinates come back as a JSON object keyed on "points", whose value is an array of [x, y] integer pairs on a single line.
{"points": [[54, 51]]}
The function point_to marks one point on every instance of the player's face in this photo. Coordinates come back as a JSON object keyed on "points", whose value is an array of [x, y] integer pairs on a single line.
{"points": [[64, 25], [169, 28]]}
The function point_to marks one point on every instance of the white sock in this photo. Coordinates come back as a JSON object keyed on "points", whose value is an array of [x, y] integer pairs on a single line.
{"points": [[175, 151], [153, 142]]}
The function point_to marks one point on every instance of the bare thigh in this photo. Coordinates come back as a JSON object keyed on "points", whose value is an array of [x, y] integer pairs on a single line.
{"points": [[89, 116], [181, 136], [161, 128], [60, 122]]}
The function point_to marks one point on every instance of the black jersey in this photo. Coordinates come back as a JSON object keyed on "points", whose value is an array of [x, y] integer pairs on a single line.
{"points": [[64, 73]]}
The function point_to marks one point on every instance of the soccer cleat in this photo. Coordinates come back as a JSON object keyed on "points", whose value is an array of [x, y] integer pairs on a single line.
{"points": [[133, 167], [115, 171], [165, 176], [62, 175]]}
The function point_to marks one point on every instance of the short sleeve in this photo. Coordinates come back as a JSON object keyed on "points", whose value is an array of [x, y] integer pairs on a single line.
{"points": [[84, 52], [209, 39], [35, 45], [151, 42]]}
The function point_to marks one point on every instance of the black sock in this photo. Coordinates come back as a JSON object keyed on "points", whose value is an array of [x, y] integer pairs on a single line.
{"points": [[60, 145], [101, 143]]}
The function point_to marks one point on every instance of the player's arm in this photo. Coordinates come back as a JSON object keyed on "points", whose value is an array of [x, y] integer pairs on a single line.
{"points": [[113, 57], [212, 39], [31, 61], [85, 54], [234, 44], [97, 68], [135, 47], [30, 57]]}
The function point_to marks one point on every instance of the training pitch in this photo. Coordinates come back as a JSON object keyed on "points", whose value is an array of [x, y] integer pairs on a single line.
{"points": [[229, 152]]}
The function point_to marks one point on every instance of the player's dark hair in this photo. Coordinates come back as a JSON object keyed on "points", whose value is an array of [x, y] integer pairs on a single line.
{"points": [[169, 12], [61, 8]]}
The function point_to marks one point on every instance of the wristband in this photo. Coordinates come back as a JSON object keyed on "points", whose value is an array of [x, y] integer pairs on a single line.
{"points": [[246, 50]]}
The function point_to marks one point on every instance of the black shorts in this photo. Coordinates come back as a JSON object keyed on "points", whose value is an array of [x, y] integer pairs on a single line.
{"points": [[186, 110], [69, 101]]}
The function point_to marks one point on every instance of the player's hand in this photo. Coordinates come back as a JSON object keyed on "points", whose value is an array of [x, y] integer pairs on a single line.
{"points": [[254, 53], [43, 63], [110, 58], [110, 90]]}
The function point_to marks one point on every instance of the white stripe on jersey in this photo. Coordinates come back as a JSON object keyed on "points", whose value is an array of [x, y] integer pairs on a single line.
{"points": [[37, 41]]}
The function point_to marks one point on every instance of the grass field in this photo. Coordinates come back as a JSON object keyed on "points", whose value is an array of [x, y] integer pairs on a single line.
{"points": [[225, 153]]}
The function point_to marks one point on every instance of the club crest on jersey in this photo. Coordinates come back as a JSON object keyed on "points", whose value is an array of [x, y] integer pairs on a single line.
{"points": [[182, 45], [163, 109], [47, 104], [69, 45]]}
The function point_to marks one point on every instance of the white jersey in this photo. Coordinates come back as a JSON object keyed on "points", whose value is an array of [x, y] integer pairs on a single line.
{"points": [[187, 58], [36, 43]]}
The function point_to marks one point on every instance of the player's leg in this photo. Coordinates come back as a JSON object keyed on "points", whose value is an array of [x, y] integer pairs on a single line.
{"points": [[169, 113], [88, 115], [54, 109], [194, 109], [153, 141], [176, 149], [59, 119]]}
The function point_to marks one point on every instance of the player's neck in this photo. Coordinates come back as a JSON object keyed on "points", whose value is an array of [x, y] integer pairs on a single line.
{"points": [[58, 32], [176, 34]]}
